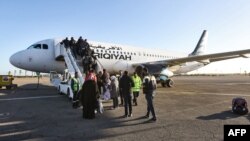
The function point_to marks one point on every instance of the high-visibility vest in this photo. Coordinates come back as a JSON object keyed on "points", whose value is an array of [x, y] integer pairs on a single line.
{"points": [[137, 83], [75, 84]]}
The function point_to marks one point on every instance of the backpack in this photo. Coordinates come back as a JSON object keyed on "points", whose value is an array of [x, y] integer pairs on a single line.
{"points": [[148, 86], [239, 106], [151, 85]]}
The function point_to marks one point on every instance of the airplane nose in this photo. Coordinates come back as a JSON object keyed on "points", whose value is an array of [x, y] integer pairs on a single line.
{"points": [[14, 60]]}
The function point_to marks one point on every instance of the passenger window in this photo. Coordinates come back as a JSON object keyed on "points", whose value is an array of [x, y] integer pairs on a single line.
{"points": [[45, 46], [37, 46]]}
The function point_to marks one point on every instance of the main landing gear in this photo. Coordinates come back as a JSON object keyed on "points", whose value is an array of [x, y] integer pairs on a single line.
{"points": [[168, 82]]}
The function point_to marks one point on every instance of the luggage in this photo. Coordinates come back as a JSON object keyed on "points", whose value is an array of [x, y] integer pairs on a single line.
{"points": [[99, 107], [239, 106]]}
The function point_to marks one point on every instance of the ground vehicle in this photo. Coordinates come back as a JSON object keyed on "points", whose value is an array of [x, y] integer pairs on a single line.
{"points": [[64, 88], [6, 81], [62, 83]]}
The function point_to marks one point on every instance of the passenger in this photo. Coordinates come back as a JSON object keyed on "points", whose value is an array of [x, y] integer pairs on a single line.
{"points": [[106, 94], [89, 97], [120, 90], [94, 63], [72, 44], [89, 51], [75, 85], [65, 42], [80, 46], [91, 76], [149, 86], [137, 87], [105, 79], [126, 83], [99, 81], [86, 44], [114, 90], [86, 63]]}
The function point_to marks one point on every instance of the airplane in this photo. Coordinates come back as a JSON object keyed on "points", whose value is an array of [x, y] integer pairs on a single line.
{"points": [[42, 56]]}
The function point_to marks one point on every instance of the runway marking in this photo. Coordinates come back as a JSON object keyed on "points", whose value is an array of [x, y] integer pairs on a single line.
{"points": [[25, 98], [197, 93], [16, 133], [11, 123]]}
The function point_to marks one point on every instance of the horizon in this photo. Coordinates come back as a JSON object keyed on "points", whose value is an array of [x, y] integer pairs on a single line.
{"points": [[165, 25]]}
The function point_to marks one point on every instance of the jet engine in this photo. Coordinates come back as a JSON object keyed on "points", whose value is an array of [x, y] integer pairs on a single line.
{"points": [[159, 71], [123, 65]]}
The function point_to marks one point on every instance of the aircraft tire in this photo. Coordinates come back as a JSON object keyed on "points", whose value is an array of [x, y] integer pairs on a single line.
{"points": [[170, 83], [68, 95], [59, 90], [163, 84], [8, 87]]}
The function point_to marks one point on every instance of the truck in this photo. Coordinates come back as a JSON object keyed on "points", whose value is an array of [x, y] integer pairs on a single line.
{"points": [[6, 81]]}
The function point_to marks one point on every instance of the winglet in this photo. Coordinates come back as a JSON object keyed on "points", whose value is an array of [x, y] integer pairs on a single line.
{"points": [[201, 45]]}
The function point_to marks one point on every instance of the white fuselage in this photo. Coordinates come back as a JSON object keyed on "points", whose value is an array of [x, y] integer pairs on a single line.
{"points": [[40, 57]]}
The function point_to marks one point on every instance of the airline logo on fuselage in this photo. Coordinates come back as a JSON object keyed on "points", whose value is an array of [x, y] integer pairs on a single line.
{"points": [[112, 56], [106, 55]]}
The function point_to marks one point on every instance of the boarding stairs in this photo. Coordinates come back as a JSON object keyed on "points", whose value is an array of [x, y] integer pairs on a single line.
{"points": [[73, 64]]}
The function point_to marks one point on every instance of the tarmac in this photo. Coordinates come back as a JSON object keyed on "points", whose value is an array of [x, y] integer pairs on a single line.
{"points": [[195, 109]]}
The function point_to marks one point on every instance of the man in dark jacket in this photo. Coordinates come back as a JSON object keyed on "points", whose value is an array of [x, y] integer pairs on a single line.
{"points": [[126, 84], [72, 44], [80, 46], [65, 42], [149, 86]]}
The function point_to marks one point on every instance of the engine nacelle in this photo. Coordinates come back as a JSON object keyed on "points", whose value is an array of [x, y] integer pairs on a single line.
{"points": [[123, 65], [166, 72]]}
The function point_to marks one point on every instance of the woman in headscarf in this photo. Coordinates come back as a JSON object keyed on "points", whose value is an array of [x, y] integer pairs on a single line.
{"points": [[114, 90], [89, 95]]}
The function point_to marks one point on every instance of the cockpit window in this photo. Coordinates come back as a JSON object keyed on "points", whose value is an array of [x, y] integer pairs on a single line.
{"points": [[35, 46], [45, 46]]}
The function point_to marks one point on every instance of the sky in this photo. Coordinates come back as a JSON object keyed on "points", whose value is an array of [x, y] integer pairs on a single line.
{"points": [[173, 25]]}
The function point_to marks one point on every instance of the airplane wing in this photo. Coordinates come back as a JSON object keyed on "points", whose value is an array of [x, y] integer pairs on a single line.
{"points": [[206, 58]]}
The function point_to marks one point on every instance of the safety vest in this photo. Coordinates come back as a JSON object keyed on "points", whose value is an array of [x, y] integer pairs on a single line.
{"points": [[137, 83], [75, 85]]}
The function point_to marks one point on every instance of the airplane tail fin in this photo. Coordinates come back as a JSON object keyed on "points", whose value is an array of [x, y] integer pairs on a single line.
{"points": [[201, 45]]}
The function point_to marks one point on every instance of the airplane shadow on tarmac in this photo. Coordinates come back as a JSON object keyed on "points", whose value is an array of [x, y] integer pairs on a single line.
{"points": [[224, 115]]}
